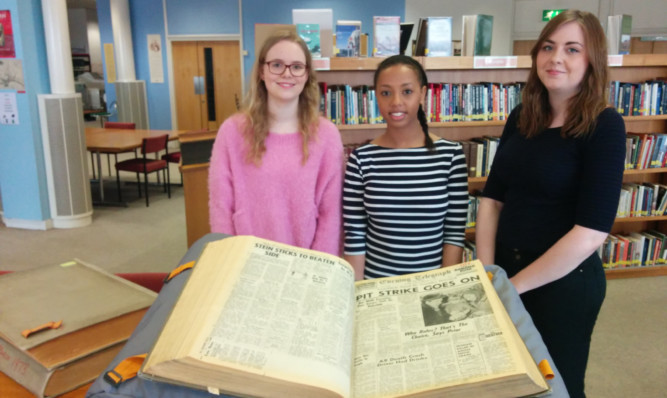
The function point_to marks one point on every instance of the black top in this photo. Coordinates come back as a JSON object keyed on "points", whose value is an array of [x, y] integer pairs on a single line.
{"points": [[549, 183]]}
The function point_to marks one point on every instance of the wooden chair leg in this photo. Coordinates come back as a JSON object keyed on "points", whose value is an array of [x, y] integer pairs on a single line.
{"points": [[139, 186], [109, 164]]}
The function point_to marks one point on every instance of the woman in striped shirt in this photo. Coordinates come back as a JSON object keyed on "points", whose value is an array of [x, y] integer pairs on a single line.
{"points": [[405, 195]]}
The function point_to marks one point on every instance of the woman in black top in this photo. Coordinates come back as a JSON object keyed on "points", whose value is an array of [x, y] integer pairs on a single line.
{"points": [[553, 190]]}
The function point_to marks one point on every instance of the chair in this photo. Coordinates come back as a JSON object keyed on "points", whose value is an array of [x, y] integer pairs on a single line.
{"points": [[146, 165], [112, 125], [174, 157]]}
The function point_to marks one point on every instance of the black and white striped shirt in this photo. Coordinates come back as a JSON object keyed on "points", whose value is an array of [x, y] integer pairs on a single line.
{"points": [[401, 205]]}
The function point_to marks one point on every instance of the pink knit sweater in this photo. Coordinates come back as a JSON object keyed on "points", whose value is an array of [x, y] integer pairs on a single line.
{"points": [[282, 199]]}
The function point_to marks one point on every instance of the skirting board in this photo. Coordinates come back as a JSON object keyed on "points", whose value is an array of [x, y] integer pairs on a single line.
{"points": [[41, 225]]}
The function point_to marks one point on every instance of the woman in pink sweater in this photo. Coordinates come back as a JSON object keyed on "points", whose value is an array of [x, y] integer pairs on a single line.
{"points": [[276, 167]]}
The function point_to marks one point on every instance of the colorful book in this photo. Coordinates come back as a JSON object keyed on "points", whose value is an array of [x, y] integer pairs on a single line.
{"points": [[348, 38], [477, 34], [322, 17], [387, 36], [438, 37], [310, 33]]}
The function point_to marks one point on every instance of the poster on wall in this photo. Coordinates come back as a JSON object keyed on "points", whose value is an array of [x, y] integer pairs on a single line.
{"points": [[110, 62], [11, 75], [155, 58], [9, 113], [6, 35]]}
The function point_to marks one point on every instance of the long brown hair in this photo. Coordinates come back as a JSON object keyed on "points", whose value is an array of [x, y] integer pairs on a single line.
{"points": [[583, 108], [256, 106]]}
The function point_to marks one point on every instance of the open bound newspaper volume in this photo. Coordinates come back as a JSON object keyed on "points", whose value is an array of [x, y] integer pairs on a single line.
{"points": [[259, 318]]}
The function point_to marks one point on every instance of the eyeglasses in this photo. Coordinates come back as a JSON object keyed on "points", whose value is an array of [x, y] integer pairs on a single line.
{"points": [[297, 69]]}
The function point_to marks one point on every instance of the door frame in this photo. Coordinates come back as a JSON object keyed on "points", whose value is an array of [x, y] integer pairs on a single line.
{"points": [[170, 62]]}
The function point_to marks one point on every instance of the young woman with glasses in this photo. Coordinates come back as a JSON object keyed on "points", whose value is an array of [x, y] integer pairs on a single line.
{"points": [[276, 167]]}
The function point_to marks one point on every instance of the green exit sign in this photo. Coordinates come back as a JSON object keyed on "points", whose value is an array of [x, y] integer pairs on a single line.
{"points": [[547, 15]]}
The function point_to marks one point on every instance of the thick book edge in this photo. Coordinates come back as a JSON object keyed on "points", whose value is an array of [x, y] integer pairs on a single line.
{"points": [[239, 382]]}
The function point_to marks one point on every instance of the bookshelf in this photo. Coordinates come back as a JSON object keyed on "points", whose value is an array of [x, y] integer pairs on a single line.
{"points": [[634, 68]]}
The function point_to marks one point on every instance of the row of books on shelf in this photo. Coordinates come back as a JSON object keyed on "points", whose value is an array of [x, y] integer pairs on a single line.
{"points": [[637, 200], [347, 105], [636, 249], [642, 200], [479, 153], [645, 151], [453, 102], [639, 99], [445, 102]]}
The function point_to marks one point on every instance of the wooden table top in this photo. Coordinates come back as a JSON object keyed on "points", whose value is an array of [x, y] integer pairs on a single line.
{"points": [[121, 140], [10, 388]]}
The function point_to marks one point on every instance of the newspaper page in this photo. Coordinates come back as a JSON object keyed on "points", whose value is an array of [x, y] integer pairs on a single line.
{"points": [[425, 331], [291, 315]]}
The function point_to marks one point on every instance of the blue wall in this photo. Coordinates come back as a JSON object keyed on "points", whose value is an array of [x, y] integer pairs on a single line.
{"points": [[22, 167], [203, 17]]}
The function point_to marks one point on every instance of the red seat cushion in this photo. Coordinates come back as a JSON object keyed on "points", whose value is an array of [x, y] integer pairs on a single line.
{"points": [[120, 125], [137, 165], [173, 157], [149, 280]]}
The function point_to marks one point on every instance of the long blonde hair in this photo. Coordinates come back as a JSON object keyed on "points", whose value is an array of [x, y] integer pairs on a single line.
{"points": [[584, 108], [256, 106]]}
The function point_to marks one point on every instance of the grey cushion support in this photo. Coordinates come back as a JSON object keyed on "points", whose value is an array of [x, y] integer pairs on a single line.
{"points": [[150, 326]]}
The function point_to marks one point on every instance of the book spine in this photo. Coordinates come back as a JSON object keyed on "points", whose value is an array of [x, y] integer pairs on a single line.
{"points": [[20, 367]]}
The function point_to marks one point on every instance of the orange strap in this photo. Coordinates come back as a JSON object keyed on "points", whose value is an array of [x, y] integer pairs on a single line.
{"points": [[546, 370], [490, 275], [49, 325], [178, 270], [125, 370]]}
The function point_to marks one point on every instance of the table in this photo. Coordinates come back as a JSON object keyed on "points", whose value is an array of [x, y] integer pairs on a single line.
{"points": [[111, 140], [10, 388]]}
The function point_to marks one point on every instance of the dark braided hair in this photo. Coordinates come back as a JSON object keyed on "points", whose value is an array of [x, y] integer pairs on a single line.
{"points": [[423, 82]]}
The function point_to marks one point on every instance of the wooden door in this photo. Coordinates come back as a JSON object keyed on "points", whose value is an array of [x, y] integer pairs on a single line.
{"points": [[207, 82]]}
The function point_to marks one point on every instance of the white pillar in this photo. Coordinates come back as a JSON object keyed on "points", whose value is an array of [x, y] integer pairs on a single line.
{"points": [[61, 121], [122, 38], [58, 50]]}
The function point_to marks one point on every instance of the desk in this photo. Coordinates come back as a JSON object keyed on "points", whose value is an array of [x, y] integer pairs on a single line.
{"points": [[195, 155], [10, 388], [112, 140]]}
